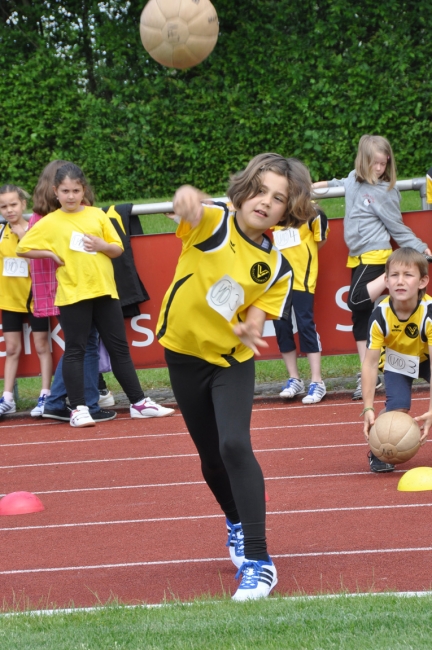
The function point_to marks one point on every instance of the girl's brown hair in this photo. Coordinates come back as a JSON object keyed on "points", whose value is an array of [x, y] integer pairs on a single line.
{"points": [[247, 183], [368, 146], [44, 199]]}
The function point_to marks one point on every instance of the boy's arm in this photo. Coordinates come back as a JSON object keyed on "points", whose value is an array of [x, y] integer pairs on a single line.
{"points": [[426, 419], [368, 383]]}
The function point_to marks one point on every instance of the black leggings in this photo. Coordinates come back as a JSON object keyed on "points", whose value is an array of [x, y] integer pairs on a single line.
{"points": [[76, 321], [359, 300], [216, 404]]}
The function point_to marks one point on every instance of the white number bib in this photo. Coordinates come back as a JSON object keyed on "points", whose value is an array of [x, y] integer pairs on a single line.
{"points": [[225, 297], [15, 267], [286, 238], [404, 364], [77, 243]]}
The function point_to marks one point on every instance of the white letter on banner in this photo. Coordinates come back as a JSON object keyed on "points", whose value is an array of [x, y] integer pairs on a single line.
{"points": [[342, 304], [142, 330], [2, 354], [57, 339]]}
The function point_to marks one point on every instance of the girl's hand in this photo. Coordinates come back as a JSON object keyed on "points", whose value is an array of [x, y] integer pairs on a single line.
{"points": [[427, 419], [249, 334], [57, 259], [93, 244], [187, 204], [18, 230], [369, 421]]}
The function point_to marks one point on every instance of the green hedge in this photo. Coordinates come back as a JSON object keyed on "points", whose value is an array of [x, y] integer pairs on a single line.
{"points": [[304, 79]]}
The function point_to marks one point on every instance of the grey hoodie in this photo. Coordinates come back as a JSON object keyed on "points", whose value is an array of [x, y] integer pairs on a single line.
{"points": [[372, 215]]}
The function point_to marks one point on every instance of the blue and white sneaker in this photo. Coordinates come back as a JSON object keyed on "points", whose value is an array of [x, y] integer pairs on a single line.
{"points": [[7, 407], [292, 388], [258, 580], [38, 410], [235, 543], [316, 392]]}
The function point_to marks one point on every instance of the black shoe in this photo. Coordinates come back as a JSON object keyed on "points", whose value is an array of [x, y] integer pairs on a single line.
{"points": [[57, 414], [102, 416], [379, 466]]}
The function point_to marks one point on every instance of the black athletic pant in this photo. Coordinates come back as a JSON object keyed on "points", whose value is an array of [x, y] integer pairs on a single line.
{"points": [[76, 321], [358, 298], [216, 404]]}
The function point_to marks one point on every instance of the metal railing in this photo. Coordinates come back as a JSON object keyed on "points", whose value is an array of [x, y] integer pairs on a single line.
{"points": [[416, 184]]}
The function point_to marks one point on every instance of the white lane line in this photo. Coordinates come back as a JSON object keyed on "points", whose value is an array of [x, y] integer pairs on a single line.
{"points": [[149, 520], [302, 425], [187, 483], [127, 565], [98, 439], [175, 456]]}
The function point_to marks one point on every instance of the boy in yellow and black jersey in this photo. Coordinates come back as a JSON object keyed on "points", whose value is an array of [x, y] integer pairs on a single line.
{"points": [[400, 329]]}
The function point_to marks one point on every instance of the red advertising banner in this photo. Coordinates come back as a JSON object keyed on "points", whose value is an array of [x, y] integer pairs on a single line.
{"points": [[156, 257]]}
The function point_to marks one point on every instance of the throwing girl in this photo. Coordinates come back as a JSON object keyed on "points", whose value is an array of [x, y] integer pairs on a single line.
{"points": [[228, 280]]}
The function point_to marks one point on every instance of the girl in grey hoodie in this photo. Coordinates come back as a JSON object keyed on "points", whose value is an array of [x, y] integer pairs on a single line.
{"points": [[372, 216]]}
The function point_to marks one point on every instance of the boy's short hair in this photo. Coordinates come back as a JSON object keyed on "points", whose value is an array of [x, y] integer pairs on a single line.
{"points": [[409, 257]]}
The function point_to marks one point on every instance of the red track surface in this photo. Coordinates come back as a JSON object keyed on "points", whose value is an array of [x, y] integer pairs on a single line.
{"points": [[129, 516]]}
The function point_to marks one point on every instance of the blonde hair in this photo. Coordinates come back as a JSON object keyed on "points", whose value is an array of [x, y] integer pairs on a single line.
{"points": [[247, 183], [409, 257], [368, 146], [22, 194]]}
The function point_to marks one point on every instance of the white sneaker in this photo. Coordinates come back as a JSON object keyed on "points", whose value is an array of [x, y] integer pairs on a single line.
{"points": [[292, 388], [38, 410], [106, 398], [258, 580], [149, 409], [80, 417], [235, 543], [316, 392], [7, 407]]}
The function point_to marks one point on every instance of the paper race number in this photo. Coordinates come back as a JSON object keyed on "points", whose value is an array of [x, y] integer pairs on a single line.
{"points": [[286, 238], [77, 243], [15, 267], [225, 297], [404, 364]]}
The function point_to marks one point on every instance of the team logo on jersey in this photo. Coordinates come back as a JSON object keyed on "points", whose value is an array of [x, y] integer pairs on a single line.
{"points": [[411, 330], [260, 272]]}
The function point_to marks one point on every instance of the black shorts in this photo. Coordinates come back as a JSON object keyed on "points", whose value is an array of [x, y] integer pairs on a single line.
{"points": [[13, 321]]}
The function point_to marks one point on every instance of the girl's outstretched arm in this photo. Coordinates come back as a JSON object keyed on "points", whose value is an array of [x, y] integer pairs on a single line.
{"points": [[187, 204], [250, 332]]}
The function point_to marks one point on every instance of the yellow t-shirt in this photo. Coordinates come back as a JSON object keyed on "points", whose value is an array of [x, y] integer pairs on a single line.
{"points": [[429, 186], [84, 275], [220, 273], [412, 336], [301, 250], [15, 281], [372, 257]]}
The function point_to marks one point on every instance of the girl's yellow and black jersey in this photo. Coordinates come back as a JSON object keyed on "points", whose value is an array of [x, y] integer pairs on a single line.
{"points": [[15, 281], [412, 336], [84, 275], [303, 255], [219, 275]]}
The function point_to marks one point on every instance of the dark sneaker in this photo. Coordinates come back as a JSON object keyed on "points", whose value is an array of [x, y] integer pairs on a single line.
{"points": [[102, 416], [57, 414], [379, 466], [357, 394]]}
